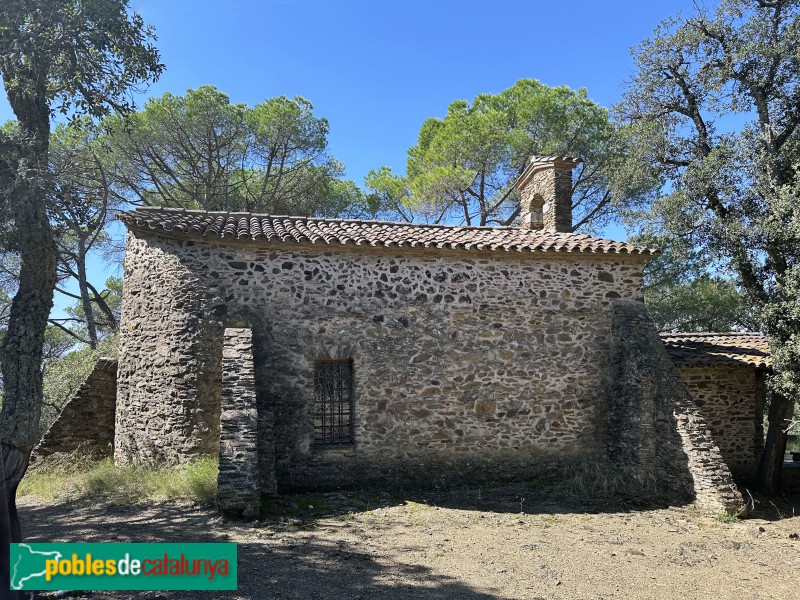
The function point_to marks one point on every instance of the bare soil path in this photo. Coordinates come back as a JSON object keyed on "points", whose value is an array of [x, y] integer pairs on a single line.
{"points": [[504, 543]]}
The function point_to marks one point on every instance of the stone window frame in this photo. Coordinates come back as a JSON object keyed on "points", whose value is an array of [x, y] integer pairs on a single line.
{"points": [[337, 403]]}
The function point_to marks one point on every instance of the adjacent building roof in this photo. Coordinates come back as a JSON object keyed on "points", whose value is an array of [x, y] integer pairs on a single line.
{"points": [[253, 227], [711, 349]]}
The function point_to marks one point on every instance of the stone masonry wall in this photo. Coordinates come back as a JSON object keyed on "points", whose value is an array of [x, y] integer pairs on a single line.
{"points": [[727, 397], [481, 364], [86, 423], [238, 483], [163, 333], [548, 196], [654, 427]]}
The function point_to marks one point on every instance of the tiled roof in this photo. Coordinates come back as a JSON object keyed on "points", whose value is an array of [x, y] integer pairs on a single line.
{"points": [[536, 163], [308, 230], [707, 349]]}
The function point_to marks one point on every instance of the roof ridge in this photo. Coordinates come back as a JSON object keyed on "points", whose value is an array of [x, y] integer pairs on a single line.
{"points": [[251, 226], [193, 211]]}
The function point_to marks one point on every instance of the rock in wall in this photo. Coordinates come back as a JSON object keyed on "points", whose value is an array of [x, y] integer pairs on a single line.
{"points": [[466, 364], [731, 400], [86, 423], [239, 484], [166, 343], [654, 426]]}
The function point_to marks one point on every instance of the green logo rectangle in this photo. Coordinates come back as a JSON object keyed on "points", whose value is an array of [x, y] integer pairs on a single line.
{"points": [[136, 566]]}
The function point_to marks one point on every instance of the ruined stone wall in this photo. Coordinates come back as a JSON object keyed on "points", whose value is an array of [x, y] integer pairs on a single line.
{"points": [[728, 398], [86, 423], [487, 364]]}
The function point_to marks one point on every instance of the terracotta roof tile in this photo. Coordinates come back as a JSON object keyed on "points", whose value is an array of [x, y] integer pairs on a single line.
{"points": [[708, 349], [310, 230]]}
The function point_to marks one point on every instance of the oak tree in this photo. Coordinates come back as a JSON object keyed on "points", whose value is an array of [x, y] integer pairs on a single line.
{"points": [[715, 106], [686, 291], [77, 58]]}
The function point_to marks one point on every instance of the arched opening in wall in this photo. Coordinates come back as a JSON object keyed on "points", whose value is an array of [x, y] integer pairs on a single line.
{"points": [[537, 212]]}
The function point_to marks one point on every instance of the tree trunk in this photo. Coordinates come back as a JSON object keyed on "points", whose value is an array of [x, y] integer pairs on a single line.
{"points": [[21, 350], [5, 562], [770, 467], [86, 301]]}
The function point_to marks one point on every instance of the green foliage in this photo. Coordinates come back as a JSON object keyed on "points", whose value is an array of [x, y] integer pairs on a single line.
{"points": [[732, 184], [107, 322], [685, 291], [464, 165], [65, 370], [81, 57], [201, 151], [343, 198], [82, 171], [724, 517], [101, 480], [181, 151], [74, 56], [707, 303]]}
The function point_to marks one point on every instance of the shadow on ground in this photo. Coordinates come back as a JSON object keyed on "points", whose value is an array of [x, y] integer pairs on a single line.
{"points": [[276, 563], [531, 498], [292, 568], [775, 508], [286, 566], [309, 566]]}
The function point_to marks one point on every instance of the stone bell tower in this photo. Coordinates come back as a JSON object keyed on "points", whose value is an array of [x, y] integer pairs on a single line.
{"points": [[545, 187]]}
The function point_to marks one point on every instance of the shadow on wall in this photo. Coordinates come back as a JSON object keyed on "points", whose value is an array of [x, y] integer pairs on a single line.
{"points": [[654, 426], [85, 424], [658, 445]]}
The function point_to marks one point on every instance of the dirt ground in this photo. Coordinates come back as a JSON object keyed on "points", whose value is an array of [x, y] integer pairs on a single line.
{"points": [[504, 543]]}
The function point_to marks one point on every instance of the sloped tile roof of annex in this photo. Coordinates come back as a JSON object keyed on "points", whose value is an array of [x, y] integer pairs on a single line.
{"points": [[260, 228], [718, 349]]}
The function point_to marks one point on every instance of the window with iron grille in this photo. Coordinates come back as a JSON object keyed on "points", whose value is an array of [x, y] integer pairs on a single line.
{"points": [[333, 403]]}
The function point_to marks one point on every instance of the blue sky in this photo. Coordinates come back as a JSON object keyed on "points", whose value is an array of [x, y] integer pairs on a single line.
{"points": [[376, 70]]}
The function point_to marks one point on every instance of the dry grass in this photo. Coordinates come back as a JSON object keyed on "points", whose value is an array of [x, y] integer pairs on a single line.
{"points": [[81, 478], [597, 477]]}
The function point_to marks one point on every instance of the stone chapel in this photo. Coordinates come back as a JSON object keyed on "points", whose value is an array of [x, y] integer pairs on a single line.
{"points": [[313, 353]]}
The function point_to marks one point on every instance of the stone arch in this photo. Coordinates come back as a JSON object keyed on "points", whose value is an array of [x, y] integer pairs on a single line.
{"points": [[341, 351], [537, 211]]}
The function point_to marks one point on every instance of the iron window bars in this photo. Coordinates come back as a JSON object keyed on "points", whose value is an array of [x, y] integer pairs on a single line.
{"points": [[333, 403]]}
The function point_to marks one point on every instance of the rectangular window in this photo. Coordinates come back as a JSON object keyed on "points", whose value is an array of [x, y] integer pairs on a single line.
{"points": [[333, 403]]}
